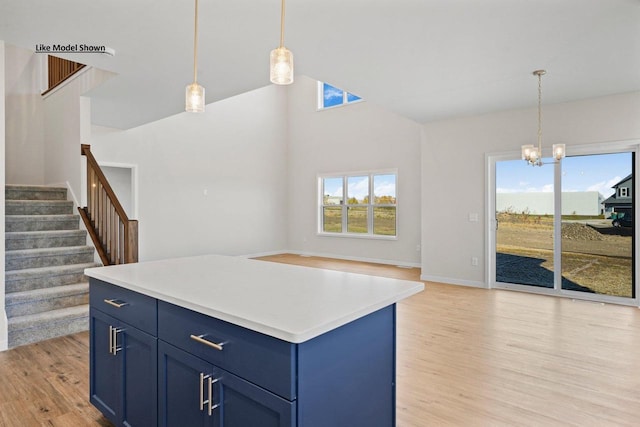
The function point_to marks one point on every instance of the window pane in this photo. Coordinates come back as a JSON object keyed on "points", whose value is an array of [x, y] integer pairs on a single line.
{"points": [[384, 189], [358, 190], [357, 219], [384, 220], [525, 221], [597, 224], [332, 219], [331, 95], [351, 97], [332, 191]]}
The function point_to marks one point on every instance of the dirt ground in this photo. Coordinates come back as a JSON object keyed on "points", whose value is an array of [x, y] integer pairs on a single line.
{"points": [[596, 257]]}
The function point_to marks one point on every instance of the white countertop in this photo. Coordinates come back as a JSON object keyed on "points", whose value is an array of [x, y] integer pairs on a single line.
{"points": [[289, 302]]}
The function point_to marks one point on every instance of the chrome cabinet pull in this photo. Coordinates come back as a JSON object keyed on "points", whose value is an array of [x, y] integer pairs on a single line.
{"points": [[209, 401], [201, 340], [113, 340], [202, 401], [116, 303]]}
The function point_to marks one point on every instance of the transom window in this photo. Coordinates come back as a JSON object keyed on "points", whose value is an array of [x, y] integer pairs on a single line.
{"points": [[330, 96], [358, 204]]}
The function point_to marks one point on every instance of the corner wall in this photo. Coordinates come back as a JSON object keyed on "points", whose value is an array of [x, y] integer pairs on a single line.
{"points": [[3, 315], [454, 175], [356, 137], [208, 183], [24, 151]]}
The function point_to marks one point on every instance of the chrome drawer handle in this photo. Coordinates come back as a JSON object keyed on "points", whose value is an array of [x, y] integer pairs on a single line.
{"points": [[201, 340], [116, 303]]}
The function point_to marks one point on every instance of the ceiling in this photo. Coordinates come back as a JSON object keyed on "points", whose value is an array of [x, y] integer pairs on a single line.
{"points": [[423, 59]]}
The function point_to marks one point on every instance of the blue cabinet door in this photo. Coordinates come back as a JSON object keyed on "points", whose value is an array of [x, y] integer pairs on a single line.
{"points": [[139, 357], [183, 390], [104, 379], [123, 371], [245, 404]]}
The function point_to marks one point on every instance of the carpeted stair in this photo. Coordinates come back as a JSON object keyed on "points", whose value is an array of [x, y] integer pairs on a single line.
{"points": [[46, 253]]}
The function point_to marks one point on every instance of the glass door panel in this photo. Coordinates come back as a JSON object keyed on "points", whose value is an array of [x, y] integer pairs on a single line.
{"points": [[597, 224], [525, 222]]}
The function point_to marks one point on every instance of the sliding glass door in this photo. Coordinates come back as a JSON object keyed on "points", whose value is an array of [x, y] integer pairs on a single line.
{"points": [[597, 245], [566, 228], [524, 218]]}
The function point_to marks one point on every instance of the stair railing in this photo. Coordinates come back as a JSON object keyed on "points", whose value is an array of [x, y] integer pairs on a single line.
{"points": [[114, 235]]}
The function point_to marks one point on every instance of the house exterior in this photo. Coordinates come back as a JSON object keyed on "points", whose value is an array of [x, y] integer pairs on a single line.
{"points": [[622, 200]]}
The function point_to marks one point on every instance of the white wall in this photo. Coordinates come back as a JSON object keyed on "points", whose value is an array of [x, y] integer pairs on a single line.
{"points": [[208, 183], [66, 125], [357, 137], [454, 172], [3, 314], [24, 155]]}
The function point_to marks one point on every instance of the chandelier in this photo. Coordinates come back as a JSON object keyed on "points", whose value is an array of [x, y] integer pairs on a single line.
{"points": [[530, 153]]}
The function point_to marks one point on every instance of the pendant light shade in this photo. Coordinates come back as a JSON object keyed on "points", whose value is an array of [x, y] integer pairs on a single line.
{"points": [[194, 93], [194, 98], [281, 65], [281, 58]]}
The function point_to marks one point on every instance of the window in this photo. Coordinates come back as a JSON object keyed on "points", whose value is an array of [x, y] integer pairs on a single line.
{"points": [[330, 96], [624, 191], [358, 204]]}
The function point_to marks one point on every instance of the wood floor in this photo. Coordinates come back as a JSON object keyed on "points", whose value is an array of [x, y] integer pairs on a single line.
{"points": [[466, 357]]}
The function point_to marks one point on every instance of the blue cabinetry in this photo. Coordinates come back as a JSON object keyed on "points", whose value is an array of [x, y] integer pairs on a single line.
{"points": [[123, 367], [156, 363]]}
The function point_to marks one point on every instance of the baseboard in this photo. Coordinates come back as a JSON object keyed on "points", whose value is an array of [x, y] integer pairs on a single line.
{"points": [[450, 281], [4, 333]]}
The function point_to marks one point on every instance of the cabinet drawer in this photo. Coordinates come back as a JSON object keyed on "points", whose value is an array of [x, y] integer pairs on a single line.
{"points": [[261, 359], [136, 309]]}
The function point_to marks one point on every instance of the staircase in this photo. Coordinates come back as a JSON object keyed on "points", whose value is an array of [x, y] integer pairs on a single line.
{"points": [[46, 253]]}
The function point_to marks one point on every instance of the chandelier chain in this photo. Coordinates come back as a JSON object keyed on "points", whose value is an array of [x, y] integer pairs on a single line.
{"points": [[540, 113]]}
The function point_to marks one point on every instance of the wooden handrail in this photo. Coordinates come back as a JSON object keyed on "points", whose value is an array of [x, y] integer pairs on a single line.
{"points": [[59, 70], [113, 233]]}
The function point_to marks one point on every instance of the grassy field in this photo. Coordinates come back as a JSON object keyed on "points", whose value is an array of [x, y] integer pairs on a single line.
{"points": [[384, 220], [595, 257]]}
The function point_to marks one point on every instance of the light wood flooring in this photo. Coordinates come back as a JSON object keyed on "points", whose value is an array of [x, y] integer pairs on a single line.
{"points": [[466, 357]]}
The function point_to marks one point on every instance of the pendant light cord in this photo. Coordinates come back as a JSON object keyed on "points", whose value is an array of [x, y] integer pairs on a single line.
{"points": [[195, 47], [281, 24]]}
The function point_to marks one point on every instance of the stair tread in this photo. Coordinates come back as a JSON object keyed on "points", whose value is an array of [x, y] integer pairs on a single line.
{"points": [[34, 187], [48, 316], [39, 201], [52, 233], [54, 290], [56, 268], [43, 251], [41, 217]]}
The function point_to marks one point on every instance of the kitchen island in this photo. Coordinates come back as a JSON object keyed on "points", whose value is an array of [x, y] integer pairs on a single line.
{"points": [[228, 341]]}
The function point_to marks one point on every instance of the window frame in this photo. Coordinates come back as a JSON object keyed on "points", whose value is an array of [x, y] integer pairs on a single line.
{"points": [[345, 96], [371, 205]]}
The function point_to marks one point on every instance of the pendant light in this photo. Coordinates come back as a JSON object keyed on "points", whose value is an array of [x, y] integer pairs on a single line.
{"points": [[194, 93], [281, 58], [530, 153]]}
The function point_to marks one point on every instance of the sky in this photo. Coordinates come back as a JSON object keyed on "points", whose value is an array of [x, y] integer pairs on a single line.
{"points": [[598, 172], [358, 186]]}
